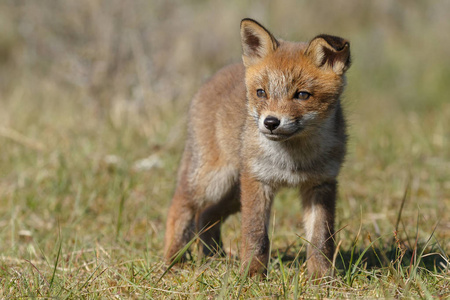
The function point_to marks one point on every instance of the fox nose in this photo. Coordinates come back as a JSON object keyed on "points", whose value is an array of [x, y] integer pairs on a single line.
{"points": [[271, 123]]}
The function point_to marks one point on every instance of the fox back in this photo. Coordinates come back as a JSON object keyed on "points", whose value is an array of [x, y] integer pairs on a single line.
{"points": [[274, 120]]}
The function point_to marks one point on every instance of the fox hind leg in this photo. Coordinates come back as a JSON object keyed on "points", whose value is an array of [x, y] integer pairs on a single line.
{"points": [[180, 226]]}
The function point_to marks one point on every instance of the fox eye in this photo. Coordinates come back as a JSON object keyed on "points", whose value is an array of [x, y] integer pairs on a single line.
{"points": [[302, 95], [261, 93]]}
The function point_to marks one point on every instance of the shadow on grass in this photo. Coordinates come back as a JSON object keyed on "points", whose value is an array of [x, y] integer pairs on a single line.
{"points": [[390, 255]]}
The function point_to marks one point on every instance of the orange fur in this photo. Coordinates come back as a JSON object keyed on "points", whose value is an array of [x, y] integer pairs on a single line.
{"points": [[273, 121]]}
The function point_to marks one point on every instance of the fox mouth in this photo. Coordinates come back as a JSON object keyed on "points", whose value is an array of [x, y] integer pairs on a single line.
{"points": [[284, 130], [280, 135], [277, 137]]}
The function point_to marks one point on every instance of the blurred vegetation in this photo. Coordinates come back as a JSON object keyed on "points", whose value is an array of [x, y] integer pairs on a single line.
{"points": [[93, 100]]}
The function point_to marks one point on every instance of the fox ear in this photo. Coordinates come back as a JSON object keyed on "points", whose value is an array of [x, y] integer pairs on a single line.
{"points": [[330, 52], [257, 42]]}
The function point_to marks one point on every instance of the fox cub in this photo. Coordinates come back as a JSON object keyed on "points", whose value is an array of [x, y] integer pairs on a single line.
{"points": [[274, 120]]}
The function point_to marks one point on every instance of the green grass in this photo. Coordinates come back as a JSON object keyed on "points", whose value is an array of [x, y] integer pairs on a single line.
{"points": [[93, 102]]}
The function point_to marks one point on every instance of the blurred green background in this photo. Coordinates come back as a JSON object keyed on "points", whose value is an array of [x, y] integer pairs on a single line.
{"points": [[93, 101]]}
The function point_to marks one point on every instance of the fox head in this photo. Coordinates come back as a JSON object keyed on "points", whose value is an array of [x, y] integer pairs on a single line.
{"points": [[292, 88]]}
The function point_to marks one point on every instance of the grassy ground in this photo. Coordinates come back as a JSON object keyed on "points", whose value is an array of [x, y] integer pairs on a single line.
{"points": [[93, 99]]}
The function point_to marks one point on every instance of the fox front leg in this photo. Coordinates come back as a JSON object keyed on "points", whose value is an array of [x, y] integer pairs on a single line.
{"points": [[256, 201], [319, 203]]}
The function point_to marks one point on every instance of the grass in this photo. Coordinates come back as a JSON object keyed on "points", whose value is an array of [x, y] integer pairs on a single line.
{"points": [[93, 103]]}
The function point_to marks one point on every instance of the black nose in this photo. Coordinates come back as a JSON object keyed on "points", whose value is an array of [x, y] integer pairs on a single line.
{"points": [[271, 123]]}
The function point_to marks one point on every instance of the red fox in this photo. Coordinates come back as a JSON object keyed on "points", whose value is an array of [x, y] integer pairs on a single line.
{"points": [[274, 120]]}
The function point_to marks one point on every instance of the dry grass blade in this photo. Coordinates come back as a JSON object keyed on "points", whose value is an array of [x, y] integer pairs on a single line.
{"points": [[21, 139], [405, 195]]}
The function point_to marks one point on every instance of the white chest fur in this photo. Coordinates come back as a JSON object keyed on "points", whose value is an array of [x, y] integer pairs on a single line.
{"points": [[293, 163], [279, 165]]}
